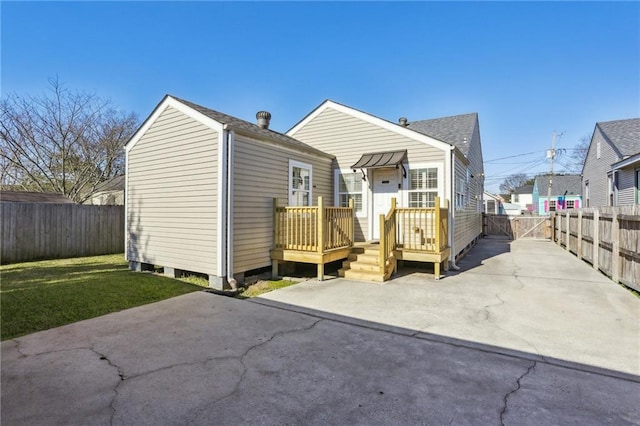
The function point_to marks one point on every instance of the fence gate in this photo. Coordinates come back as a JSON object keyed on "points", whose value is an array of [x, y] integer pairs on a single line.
{"points": [[518, 227]]}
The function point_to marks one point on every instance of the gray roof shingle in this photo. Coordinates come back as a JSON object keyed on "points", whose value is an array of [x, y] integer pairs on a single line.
{"points": [[623, 134], [34, 197], [114, 184], [240, 124], [452, 130], [571, 184]]}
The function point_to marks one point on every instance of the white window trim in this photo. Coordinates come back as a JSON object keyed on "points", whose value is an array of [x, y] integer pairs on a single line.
{"points": [[292, 164], [336, 191], [405, 181]]}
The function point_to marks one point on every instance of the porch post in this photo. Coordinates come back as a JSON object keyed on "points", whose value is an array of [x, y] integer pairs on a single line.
{"points": [[352, 223], [320, 242], [437, 230]]}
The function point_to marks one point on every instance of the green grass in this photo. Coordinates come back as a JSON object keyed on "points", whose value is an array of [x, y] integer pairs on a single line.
{"points": [[262, 287], [40, 295]]}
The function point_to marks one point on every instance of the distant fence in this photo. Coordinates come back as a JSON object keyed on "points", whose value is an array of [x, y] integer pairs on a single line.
{"points": [[606, 237], [516, 227], [32, 231]]}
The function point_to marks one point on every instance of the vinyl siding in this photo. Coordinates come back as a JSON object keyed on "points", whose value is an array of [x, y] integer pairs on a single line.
{"points": [[172, 195], [626, 187], [261, 173], [596, 169], [347, 138], [467, 220]]}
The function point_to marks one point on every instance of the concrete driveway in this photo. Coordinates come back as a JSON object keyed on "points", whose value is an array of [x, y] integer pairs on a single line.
{"points": [[527, 295], [207, 359]]}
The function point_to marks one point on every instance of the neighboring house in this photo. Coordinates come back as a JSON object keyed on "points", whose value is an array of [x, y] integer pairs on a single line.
{"points": [[523, 196], [200, 184], [565, 193], [110, 192], [492, 203], [611, 171], [34, 197], [511, 209]]}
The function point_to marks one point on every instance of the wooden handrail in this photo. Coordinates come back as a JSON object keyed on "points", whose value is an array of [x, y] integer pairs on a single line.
{"points": [[387, 236]]}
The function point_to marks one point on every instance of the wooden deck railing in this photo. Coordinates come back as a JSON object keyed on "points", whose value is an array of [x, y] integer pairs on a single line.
{"points": [[423, 229], [417, 229], [313, 228]]}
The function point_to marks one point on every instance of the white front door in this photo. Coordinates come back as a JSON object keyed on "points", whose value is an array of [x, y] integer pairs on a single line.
{"points": [[385, 187]]}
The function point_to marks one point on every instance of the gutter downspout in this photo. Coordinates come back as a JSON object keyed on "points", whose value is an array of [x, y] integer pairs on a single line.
{"points": [[452, 209], [229, 194], [221, 225]]}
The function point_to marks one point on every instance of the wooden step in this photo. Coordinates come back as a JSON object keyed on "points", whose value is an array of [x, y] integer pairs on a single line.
{"points": [[360, 266], [365, 258], [361, 275]]}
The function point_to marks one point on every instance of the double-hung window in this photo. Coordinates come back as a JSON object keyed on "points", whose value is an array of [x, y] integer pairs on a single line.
{"points": [[350, 186], [300, 183], [423, 187]]}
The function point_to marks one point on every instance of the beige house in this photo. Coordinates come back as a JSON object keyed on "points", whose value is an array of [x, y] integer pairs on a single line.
{"points": [[213, 194]]}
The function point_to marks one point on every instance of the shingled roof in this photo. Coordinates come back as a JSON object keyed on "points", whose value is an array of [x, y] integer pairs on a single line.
{"points": [[114, 184], [240, 124], [456, 130], [569, 184], [624, 135], [34, 197]]}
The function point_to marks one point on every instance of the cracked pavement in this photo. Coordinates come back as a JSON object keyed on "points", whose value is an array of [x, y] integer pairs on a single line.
{"points": [[207, 359]]}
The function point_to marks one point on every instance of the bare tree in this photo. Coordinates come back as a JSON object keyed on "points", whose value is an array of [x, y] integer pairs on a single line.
{"points": [[65, 142], [578, 154], [512, 182]]}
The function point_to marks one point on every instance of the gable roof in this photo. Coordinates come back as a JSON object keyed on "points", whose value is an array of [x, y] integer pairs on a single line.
{"points": [[223, 119], [571, 184], [624, 135], [456, 130], [34, 197], [524, 189], [365, 116], [114, 184]]}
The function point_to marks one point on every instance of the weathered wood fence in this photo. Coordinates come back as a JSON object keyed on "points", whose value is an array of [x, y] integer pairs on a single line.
{"points": [[516, 227], [606, 237], [32, 231]]}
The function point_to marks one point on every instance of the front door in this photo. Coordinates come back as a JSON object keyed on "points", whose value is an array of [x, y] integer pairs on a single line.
{"points": [[385, 186]]}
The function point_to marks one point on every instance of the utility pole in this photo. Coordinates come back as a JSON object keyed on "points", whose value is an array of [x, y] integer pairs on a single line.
{"points": [[552, 155]]}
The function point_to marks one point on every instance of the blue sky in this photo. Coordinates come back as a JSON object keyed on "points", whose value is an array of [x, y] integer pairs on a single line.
{"points": [[527, 68]]}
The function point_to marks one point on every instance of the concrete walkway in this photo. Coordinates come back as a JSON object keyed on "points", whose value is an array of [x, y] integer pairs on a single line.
{"points": [[530, 296], [207, 359]]}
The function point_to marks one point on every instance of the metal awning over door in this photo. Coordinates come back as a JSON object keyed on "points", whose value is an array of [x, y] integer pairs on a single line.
{"points": [[379, 160]]}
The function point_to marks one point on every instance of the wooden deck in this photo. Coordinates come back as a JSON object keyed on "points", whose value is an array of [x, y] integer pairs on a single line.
{"points": [[321, 235]]}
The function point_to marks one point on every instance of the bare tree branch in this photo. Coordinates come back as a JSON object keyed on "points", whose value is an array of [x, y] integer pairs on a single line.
{"points": [[66, 142]]}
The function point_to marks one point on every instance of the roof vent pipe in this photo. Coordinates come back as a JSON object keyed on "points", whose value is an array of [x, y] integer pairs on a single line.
{"points": [[403, 121], [264, 117]]}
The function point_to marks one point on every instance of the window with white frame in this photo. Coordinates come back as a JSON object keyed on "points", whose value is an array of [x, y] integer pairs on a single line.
{"points": [[571, 204], [299, 183], [423, 187], [349, 185], [461, 193], [552, 205]]}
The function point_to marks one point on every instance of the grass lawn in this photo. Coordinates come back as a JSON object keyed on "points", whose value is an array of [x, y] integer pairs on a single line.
{"points": [[40, 295]]}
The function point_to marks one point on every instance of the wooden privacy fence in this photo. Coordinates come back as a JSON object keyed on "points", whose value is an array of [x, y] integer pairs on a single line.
{"points": [[301, 228], [517, 227], [32, 231], [606, 237]]}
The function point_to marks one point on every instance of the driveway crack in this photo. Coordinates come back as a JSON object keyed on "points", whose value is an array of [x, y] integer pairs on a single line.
{"points": [[245, 369], [115, 389], [505, 399]]}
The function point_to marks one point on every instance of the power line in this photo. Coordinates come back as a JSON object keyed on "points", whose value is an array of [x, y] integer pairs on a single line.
{"points": [[513, 156]]}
